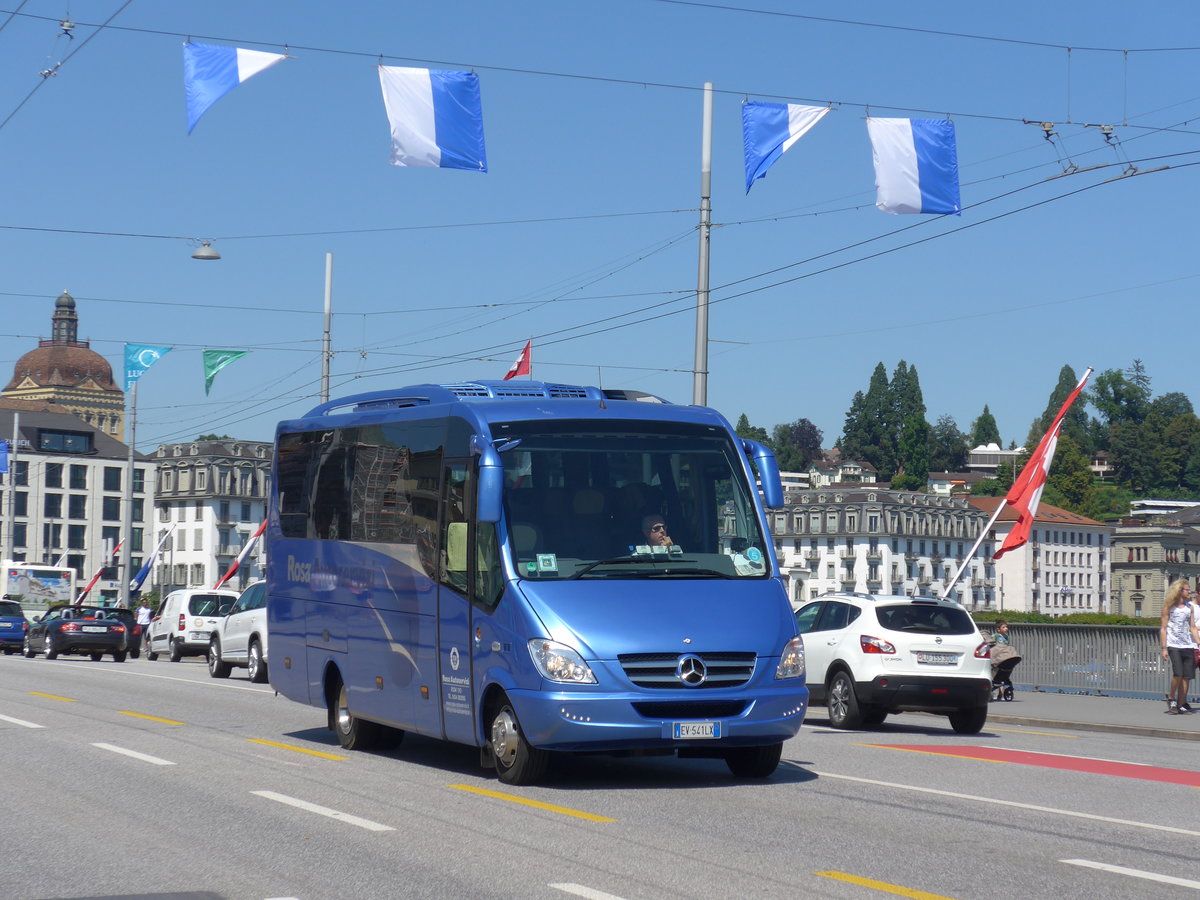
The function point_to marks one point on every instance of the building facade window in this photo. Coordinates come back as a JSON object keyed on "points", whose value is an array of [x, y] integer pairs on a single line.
{"points": [[77, 506], [79, 478], [111, 509], [52, 506], [112, 478]]}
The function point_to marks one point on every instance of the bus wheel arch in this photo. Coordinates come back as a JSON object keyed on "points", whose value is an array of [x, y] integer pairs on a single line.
{"points": [[517, 762], [352, 732]]}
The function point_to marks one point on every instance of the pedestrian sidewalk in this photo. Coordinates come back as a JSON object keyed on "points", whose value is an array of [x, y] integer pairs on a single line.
{"points": [[1089, 712]]}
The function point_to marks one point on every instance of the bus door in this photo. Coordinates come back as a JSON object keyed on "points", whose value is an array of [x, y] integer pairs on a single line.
{"points": [[454, 619]]}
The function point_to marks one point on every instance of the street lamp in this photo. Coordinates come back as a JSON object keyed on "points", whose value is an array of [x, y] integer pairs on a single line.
{"points": [[205, 251]]}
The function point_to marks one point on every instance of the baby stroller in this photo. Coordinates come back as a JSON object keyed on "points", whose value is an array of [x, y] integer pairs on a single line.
{"points": [[1004, 660]]}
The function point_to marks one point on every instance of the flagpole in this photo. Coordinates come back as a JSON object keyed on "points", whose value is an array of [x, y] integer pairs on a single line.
{"points": [[326, 354], [127, 525], [700, 366], [979, 540]]}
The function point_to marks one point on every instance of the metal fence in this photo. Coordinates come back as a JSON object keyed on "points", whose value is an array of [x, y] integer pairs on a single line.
{"points": [[1112, 660]]}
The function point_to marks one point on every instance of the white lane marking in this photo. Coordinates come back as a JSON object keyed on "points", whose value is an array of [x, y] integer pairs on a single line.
{"points": [[323, 811], [580, 891], [112, 670], [21, 722], [1027, 806], [1134, 873], [153, 760]]}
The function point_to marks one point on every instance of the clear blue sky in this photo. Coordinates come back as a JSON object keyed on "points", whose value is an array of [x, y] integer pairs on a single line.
{"points": [[587, 218]]}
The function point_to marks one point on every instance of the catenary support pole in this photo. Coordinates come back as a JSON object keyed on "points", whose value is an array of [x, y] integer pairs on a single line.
{"points": [[326, 354], [700, 370]]}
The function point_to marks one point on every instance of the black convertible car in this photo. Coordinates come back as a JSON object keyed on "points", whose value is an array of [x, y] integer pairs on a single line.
{"points": [[78, 629]]}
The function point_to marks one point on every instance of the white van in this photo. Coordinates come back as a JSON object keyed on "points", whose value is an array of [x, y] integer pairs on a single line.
{"points": [[185, 622], [240, 638]]}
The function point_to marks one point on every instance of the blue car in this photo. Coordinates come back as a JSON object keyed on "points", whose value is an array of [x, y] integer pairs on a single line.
{"points": [[13, 626]]}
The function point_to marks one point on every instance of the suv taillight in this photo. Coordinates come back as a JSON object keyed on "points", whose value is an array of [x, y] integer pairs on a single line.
{"points": [[983, 651], [182, 619], [875, 645]]}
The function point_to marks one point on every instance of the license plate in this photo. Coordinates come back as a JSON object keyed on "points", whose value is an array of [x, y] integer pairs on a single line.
{"points": [[94, 628], [697, 731], [7, 625], [937, 659]]}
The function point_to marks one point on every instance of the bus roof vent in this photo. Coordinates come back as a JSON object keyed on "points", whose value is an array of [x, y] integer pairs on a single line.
{"points": [[516, 390]]}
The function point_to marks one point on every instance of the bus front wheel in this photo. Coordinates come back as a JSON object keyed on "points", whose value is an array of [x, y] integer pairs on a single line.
{"points": [[517, 762], [352, 733]]}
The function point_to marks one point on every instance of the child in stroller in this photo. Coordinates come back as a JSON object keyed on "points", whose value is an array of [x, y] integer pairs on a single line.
{"points": [[1004, 660]]}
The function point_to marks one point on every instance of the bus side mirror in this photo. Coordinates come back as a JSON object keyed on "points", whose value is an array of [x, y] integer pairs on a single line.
{"points": [[768, 472], [490, 492], [456, 547]]}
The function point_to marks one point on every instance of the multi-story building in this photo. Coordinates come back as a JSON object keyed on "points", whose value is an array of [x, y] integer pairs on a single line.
{"points": [[63, 497], [869, 539], [1063, 568], [214, 493], [1148, 554]]}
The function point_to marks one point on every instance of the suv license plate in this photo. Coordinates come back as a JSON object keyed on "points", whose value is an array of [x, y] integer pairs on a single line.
{"points": [[693, 731], [937, 659]]}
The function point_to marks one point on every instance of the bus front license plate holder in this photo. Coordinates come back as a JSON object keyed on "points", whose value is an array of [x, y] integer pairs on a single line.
{"points": [[696, 731]]}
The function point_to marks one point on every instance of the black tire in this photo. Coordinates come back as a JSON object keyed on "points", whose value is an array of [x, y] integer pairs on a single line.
{"points": [[255, 663], [754, 762], [352, 733], [176, 650], [217, 667], [843, 702], [96, 657], [119, 655], [28, 650], [150, 654], [517, 761], [874, 716], [49, 648], [1008, 692], [969, 721]]}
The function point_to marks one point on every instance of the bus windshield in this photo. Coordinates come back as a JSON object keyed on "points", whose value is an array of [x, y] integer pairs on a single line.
{"points": [[628, 500]]}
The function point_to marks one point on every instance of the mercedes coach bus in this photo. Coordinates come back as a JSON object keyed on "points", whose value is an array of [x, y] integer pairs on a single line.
{"points": [[532, 569]]}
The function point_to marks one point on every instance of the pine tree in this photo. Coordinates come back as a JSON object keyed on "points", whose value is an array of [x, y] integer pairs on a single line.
{"points": [[984, 430]]}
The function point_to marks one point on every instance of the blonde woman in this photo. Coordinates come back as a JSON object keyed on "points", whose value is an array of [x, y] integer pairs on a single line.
{"points": [[1179, 639]]}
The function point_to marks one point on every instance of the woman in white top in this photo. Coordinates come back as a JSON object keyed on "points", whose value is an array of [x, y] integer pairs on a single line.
{"points": [[1179, 639]]}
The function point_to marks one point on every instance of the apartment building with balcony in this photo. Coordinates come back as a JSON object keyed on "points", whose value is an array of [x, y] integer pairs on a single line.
{"points": [[214, 495]]}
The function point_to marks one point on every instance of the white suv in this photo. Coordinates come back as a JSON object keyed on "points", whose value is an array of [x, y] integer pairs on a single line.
{"points": [[869, 655], [240, 639]]}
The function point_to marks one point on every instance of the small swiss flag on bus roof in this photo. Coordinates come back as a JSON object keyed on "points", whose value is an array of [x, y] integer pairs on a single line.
{"points": [[524, 363]]}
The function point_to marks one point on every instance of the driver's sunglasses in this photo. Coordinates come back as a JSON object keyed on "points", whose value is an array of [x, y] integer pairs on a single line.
{"points": [[659, 528]]}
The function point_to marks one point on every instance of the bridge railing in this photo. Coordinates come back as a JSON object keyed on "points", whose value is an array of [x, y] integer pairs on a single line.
{"points": [[1113, 660]]}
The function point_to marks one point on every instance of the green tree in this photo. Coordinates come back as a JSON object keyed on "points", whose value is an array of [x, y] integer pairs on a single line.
{"points": [[1070, 482], [914, 451], [948, 446], [984, 430], [1075, 424], [1121, 397], [867, 435], [796, 444], [744, 429], [214, 437]]}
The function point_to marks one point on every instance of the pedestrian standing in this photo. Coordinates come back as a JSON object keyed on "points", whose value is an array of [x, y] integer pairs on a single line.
{"points": [[1179, 640]]}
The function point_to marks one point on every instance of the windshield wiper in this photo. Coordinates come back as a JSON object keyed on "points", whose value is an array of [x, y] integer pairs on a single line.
{"points": [[625, 560]]}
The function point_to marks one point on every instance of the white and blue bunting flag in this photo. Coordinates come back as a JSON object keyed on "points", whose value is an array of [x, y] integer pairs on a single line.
{"points": [[436, 118], [770, 129], [210, 72], [916, 165]]}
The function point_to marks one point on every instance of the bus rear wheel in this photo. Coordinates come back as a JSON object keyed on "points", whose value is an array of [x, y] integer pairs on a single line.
{"points": [[517, 762], [352, 733], [754, 762]]}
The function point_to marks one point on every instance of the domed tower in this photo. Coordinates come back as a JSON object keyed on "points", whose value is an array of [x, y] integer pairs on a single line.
{"points": [[66, 371]]}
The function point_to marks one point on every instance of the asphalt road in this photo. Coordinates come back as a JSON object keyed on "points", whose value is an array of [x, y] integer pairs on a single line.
{"points": [[153, 780]]}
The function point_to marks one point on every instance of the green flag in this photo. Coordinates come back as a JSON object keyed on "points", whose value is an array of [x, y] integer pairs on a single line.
{"points": [[215, 361]]}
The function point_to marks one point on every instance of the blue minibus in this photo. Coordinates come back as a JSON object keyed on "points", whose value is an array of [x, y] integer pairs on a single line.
{"points": [[532, 568]]}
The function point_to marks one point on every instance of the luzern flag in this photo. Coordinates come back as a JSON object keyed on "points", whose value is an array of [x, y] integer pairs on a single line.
{"points": [[770, 129], [215, 361], [916, 165], [1026, 491], [436, 117], [138, 358], [210, 72], [524, 363], [144, 572]]}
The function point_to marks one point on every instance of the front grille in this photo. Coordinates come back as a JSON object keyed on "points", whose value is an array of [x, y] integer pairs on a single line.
{"points": [[694, 709], [657, 670]]}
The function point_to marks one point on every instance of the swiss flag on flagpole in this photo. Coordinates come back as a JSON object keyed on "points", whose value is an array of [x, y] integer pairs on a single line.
{"points": [[524, 363], [1026, 492]]}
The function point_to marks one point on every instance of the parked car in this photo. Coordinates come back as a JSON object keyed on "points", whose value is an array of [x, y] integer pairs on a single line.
{"points": [[869, 655], [133, 631], [67, 628], [12, 626], [240, 638], [185, 622]]}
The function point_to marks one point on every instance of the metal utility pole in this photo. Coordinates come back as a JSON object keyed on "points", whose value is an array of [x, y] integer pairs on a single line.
{"points": [[326, 353], [10, 543], [700, 368], [127, 530]]}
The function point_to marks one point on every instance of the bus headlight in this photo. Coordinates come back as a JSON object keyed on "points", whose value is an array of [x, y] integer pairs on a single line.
{"points": [[558, 662], [791, 661]]}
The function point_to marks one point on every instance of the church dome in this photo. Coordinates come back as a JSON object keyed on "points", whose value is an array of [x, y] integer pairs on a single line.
{"points": [[52, 365]]}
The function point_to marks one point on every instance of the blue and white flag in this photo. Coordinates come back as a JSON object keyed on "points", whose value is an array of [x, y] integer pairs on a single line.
{"points": [[436, 117], [210, 72], [135, 583], [138, 358], [3, 457], [770, 129], [916, 165]]}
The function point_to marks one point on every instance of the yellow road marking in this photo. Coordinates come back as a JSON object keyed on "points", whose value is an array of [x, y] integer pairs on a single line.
{"points": [[882, 886], [1040, 733], [54, 697], [536, 804], [296, 749], [130, 712], [934, 752]]}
